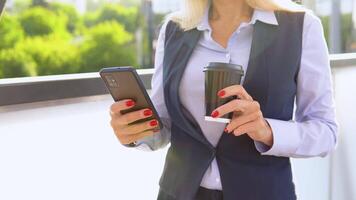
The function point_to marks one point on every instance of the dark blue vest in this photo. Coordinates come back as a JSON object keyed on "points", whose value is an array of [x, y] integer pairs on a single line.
{"points": [[271, 80]]}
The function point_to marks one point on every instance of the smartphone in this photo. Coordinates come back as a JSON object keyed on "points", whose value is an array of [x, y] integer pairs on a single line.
{"points": [[125, 83]]}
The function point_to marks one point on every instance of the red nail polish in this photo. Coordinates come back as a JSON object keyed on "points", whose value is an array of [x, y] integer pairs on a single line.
{"points": [[215, 114], [130, 103], [153, 123], [221, 93], [226, 130], [147, 112]]}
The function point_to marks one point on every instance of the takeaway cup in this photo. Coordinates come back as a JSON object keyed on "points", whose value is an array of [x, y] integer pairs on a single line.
{"points": [[219, 76]]}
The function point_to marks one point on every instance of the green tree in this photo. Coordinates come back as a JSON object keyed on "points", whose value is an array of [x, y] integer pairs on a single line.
{"points": [[107, 44], [44, 39], [11, 31], [14, 63], [52, 54], [20, 6], [131, 3], [70, 12], [93, 5], [346, 29], [128, 16], [39, 21], [42, 3]]}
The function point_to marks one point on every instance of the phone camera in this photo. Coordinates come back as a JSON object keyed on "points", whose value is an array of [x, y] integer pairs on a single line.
{"points": [[111, 81]]}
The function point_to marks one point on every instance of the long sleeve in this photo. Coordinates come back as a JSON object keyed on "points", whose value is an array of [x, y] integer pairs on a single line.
{"points": [[162, 138], [314, 129]]}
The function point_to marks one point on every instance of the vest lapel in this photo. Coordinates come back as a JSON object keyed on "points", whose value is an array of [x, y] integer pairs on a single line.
{"points": [[257, 77], [173, 72]]}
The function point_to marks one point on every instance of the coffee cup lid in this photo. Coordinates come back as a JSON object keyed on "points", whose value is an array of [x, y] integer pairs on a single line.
{"points": [[224, 67]]}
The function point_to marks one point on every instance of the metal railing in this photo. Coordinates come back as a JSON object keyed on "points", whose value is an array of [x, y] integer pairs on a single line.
{"points": [[55, 87], [34, 89], [85, 93]]}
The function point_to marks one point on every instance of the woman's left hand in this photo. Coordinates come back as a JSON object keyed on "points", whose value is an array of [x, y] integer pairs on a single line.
{"points": [[247, 116]]}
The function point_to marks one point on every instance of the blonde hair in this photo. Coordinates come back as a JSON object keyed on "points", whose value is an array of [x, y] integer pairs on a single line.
{"points": [[193, 10]]}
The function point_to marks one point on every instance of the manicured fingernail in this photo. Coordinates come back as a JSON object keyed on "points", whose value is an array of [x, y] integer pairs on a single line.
{"points": [[226, 130], [147, 112], [221, 93], [153, 123], [130, 103], [215, 114]]}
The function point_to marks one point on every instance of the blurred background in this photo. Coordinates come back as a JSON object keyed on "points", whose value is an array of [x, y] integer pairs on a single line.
{"points": [[44, 37], [55, 137], [63, 36]]}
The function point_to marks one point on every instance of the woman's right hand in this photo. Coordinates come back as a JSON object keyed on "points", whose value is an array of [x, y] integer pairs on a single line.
{"points": [[121, 123]]}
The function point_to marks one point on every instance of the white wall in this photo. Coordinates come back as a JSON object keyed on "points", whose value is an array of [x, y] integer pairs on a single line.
{"points": [[69, 152], [66, 150]]}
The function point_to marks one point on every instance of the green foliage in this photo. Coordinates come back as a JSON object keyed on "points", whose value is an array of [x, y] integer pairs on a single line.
{"points": [[93, 5], [11, 32], [130, 3], [107, 44], [38, 21], [346, 29], [41, 38], [52, 54], [14, 63], [42, 3], [20, 6], [128, 16], [69, 11], [90, 18], [158, 18]]}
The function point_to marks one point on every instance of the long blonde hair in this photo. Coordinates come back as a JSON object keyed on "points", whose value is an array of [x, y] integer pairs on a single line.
{"points": [[193, 10]]}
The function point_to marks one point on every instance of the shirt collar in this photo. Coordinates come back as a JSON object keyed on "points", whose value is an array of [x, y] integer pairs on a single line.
{"points": [[267, 17]]}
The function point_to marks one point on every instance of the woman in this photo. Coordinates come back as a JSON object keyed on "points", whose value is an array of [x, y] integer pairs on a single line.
{"points": [[283, 52]]}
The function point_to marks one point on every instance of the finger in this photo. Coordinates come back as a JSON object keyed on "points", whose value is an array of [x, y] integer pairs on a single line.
{"points": [[133, 116], [247, 128], [127, 139], [121, 105], [237, 114], [142, 135], [243, 106], [139, 127], [243, 119], [235, 90]]}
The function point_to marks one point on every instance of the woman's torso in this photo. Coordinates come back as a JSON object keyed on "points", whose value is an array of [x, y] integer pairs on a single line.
{"points": [[192, 88]]}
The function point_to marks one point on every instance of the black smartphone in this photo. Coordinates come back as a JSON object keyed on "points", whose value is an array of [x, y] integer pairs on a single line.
{"points": [[125, 83]]}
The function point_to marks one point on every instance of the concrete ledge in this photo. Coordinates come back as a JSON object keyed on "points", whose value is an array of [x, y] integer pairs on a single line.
{"points": [[34, 89], [44, 88]]}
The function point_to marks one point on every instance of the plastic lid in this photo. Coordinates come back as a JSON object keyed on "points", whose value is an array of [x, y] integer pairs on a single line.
{"points": [[224, 67]]}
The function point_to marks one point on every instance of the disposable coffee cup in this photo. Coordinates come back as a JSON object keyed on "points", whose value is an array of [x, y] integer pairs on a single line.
{"points": [[217, 77]]}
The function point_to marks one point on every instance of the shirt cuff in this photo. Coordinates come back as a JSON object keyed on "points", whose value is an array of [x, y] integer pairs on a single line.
{"points": [[286, 139], [139, 145]]}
